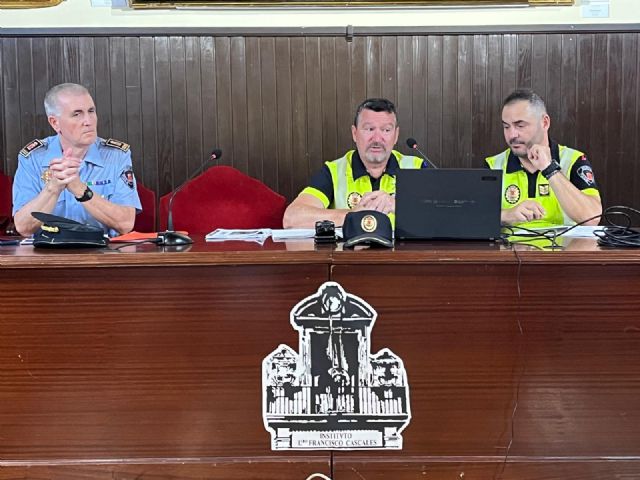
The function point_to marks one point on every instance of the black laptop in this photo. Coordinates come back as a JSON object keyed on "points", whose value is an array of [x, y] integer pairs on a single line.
{"points": [[448, 203]]}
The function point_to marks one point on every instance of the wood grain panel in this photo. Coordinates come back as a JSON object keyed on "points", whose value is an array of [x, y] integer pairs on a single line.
{"points": [[459, 350], [280, 106], [514, 469], [155, 363], [283, 468]]}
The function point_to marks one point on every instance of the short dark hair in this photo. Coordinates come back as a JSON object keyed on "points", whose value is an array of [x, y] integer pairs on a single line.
{"points": [[377, 105], [526, 95]]}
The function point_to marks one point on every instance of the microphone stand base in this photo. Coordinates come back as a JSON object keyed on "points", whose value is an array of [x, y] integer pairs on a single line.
{"points": [[173, 239]]}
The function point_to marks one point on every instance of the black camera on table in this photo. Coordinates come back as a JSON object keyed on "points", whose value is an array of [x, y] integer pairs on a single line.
{"points": [[325, 232]]}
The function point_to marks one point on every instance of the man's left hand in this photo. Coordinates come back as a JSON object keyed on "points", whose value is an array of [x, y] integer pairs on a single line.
{"points": [[379, 201], [539, 156]]}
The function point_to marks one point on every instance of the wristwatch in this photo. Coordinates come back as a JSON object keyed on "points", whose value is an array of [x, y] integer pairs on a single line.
{"points": [[87, 195], [551, 170]]}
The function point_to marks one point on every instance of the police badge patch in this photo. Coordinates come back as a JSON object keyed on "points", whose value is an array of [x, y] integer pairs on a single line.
{"points": [[127, 177], [543, 190], [353, 199], [30, 147], [512, 193], [586, 174], [369, 223]]}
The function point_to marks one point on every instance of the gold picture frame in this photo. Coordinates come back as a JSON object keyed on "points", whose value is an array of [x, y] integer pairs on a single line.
{"points": [[170, 4], [29, 3]]}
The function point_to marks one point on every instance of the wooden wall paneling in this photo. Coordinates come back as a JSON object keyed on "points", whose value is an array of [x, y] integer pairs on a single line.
{"points": [[87, 78], [239, 103], [373, 66], [389, 68], [55, 60], [314, 103], [614, 144], [328, 72], [117, 73], [102, 96], [284, 117], [481, 128], [435, 108], [197, 153], [449, 88], [596, 146], [344, 112], [4, 161], [147, 158], [406, 96], [255, 151], [465, 106], [70, 57], [12, 117], [209, 100], [636, 178], [164, 117], [26, 90], [495, 141], [553, 95], [224, 107], [568, 99], [509, 64], [523, 79], [301, 169], [41, 83], [269, 112], [584, 93], [179, 114], [359, 62], [539, 63], [133, 106], [416, 127]]}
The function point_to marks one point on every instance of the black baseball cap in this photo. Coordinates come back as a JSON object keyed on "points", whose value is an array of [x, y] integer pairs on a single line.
{"points": [[367, 227]]}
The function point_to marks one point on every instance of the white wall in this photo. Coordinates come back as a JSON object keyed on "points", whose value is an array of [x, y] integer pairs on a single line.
{"points": [[79, 13]]}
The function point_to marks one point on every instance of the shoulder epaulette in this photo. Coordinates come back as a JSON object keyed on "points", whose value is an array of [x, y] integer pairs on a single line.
{"points": [[112, 142], [31, 146]]}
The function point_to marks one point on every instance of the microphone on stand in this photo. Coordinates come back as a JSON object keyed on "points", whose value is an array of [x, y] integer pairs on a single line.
{"points": [[171, 238], [412, 144]]}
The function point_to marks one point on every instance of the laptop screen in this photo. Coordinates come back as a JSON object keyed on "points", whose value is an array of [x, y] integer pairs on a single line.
{"points": [[448, 203]]}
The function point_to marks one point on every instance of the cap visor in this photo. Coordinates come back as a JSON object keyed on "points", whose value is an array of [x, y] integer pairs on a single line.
{"points": [[368, 239]]}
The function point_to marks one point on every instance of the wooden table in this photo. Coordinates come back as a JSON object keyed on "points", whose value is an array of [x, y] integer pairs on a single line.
{"points": [[146, 363]]}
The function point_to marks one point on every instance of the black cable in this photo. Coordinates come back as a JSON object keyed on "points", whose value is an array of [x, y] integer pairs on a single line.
{"points": [[137, 242], [619, 235]]}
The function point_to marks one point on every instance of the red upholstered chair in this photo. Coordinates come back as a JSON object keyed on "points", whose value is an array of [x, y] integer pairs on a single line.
{"points": [[6, 202], [223, 197], [146, 220]]}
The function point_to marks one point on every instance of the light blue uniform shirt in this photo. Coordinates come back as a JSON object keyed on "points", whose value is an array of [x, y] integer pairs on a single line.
{"points": [[106, 169]]}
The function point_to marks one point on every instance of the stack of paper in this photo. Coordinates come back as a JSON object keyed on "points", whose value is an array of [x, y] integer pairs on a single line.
{"points": [[258, 235]]}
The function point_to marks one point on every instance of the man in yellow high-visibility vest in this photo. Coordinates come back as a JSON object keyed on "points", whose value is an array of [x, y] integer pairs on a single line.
{"points": [[544, 184], [363, 179]]}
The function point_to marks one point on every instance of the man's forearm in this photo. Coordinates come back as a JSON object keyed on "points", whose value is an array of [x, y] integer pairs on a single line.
{"points": [[305, 216], [577, 205], [45, 202], [118, 217]]}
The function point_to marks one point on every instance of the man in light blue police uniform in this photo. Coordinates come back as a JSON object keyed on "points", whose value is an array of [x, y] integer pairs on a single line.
{"points": [[75, 174]]}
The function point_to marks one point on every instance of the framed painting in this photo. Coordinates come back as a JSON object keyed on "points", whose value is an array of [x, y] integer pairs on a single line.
{"points": [[337, 3]]}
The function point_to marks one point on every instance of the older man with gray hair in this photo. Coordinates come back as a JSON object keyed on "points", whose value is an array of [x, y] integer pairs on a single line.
{"points": [[75, 174], [544, 184]]}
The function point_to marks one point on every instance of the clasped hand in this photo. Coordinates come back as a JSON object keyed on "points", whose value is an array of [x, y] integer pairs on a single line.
{"points": [[65, 171], [379, 201]]}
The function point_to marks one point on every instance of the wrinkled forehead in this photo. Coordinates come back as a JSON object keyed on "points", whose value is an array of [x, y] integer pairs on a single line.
{"points": [[370, 117], [72, 101]]}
